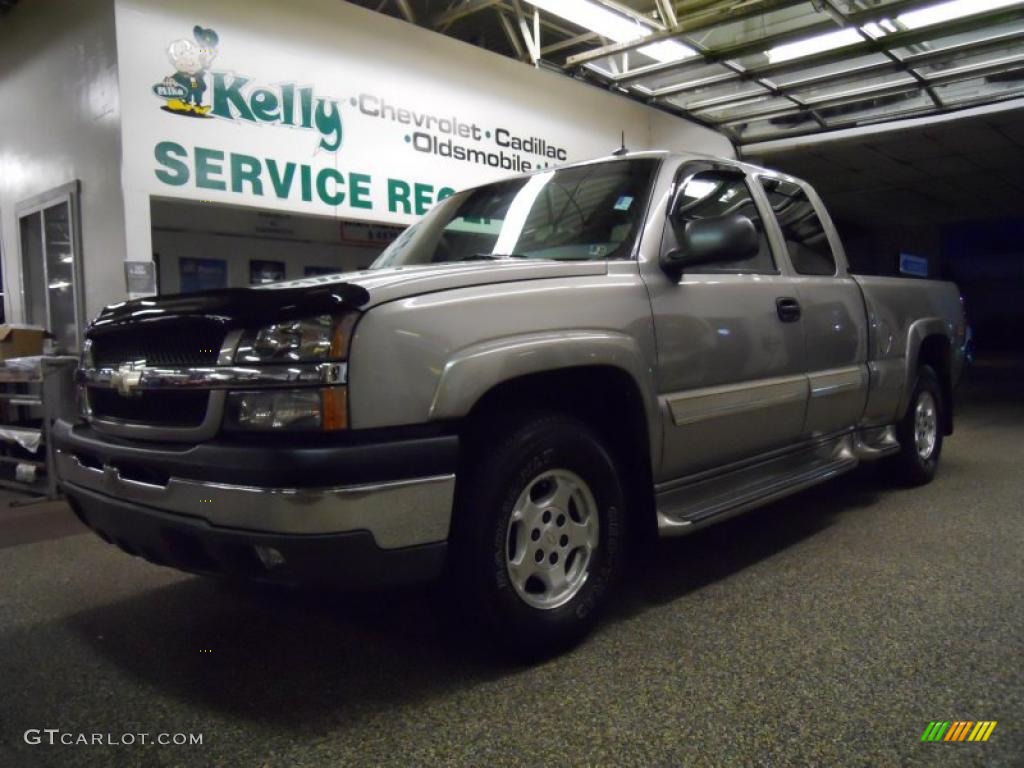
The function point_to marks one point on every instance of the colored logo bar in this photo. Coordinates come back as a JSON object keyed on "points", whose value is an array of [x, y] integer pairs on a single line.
{"points": [[958, 730]]}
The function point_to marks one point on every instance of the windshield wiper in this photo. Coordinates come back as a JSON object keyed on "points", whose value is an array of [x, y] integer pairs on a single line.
{"points": [[491, 257]]}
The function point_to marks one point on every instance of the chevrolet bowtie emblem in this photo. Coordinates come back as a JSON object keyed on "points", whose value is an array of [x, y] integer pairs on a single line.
{"points": [[125, 380]]}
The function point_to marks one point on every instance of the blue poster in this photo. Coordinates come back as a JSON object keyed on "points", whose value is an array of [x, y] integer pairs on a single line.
{"points": [[916, 266], [202, 274]]}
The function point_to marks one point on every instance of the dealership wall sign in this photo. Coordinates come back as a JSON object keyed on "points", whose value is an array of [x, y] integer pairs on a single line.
{"points": [[194, 91], [441, 135], [322, 107]]}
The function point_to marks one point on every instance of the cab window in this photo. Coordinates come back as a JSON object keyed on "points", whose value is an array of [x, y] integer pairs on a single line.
{"points": [[806, 240]]}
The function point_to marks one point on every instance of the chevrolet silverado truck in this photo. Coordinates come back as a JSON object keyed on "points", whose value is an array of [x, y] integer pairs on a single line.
{"points": [[538, 371]]}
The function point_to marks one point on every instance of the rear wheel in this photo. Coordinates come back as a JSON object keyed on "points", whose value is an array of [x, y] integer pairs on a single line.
{"points": [[920, 431], [539, 534]]}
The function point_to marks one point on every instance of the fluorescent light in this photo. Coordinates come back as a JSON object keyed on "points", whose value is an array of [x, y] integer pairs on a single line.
{"points": [[666, 50], [956, 9], [813, 45], [825, 42], [614, 26], [925, 17], [876, 31]]}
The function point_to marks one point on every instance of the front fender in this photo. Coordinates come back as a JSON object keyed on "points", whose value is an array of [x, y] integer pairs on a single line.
{"points": [[472, 371]]}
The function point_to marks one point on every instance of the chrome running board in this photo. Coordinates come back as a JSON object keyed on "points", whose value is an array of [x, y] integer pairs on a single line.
{"points": [[693, 503]]}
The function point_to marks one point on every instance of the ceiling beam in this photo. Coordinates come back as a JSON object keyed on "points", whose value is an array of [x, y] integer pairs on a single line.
{"points": [[836, 13], [667, 12], [880, 45], [894, 40], [406, 9], [913, 60], [513, 38], [571, 42], [453, 14], [853, 73], [854, 95]]}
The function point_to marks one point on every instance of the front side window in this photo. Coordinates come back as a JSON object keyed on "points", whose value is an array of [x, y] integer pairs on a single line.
{"points": [[583, 213], [717, 195], [806, 240]]}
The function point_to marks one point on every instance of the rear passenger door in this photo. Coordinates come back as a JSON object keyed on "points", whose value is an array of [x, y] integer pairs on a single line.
{"points": [[832, 307]]}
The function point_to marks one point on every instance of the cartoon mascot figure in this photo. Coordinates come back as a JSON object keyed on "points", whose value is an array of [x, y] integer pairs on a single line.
{"points": [[191, 59]]}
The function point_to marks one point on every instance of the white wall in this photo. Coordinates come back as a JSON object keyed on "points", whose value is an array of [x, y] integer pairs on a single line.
{"points": [[76, 89], [60, 122], [343, 51]]}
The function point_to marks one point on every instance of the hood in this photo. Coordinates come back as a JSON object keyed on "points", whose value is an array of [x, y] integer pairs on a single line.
{"points": [[279, 302], [393, 283], [230, 308]]}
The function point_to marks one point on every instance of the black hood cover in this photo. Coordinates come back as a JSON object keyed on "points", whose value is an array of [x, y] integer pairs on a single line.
{"points": [[232, 307]]}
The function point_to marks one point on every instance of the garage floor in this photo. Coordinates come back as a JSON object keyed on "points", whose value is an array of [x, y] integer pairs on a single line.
{"points": [[825, 630]]}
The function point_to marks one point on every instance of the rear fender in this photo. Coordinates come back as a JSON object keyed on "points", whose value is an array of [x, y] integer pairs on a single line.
{"points": [[919, 331]]}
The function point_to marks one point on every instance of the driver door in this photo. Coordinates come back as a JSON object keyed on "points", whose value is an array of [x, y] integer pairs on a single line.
{"points": [[730, 376]]}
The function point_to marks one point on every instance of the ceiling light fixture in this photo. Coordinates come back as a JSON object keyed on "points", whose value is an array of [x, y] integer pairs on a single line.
{"points": [[956, 9], [817, 44], [614, 26]]}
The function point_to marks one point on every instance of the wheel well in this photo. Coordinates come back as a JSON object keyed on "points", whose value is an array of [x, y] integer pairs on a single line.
{"points": [[604, 397], [936, 351]]}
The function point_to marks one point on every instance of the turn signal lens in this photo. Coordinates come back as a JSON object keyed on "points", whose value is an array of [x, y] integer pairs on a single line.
{"points": [[335, 408]]}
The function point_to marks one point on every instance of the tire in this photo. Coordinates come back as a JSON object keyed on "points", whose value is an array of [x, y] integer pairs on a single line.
{"points": [[539, 534], [920, 431]]}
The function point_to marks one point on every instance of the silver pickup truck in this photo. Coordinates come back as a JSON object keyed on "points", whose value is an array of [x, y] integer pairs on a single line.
{"points": [[537, 372]]}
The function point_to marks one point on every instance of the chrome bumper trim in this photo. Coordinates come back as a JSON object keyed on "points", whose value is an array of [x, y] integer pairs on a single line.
{"points": [[402, 513], [130, 380]]}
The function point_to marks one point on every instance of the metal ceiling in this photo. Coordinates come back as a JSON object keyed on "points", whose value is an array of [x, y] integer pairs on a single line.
{"points": [[764, 69]]}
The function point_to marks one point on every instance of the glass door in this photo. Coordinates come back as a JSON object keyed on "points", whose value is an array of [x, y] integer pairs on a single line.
{"points": [[51, 266]]}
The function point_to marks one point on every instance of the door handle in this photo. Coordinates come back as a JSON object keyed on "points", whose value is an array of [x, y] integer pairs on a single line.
{"points": [[788, 309]]}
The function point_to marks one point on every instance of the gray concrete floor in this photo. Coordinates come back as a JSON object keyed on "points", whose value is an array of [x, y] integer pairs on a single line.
{"points": [[825, 630]]}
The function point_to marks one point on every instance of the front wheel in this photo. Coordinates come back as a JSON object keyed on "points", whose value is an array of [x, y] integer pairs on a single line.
{"points": [[920, 431], [539, 538]]}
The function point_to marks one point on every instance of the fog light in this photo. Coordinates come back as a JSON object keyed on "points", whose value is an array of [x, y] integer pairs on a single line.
{"points": [[270, 557]]}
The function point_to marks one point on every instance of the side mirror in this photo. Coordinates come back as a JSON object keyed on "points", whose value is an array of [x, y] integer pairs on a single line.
{"points": [[707, 241]]}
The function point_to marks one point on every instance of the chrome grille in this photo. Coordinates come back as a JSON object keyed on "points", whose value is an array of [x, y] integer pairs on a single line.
{"points": [[182, 345]]}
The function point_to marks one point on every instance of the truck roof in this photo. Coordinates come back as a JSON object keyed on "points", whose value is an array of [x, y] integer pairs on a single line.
{"points": [[663, 154]]}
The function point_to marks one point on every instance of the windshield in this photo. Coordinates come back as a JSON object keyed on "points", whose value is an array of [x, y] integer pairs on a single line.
{"points": [[584, 213]]}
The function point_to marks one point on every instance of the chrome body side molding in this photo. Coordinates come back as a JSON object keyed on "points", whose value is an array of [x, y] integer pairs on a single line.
{"points": [[701, 404]]}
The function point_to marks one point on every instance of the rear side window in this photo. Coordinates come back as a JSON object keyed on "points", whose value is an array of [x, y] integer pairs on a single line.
{"points": [[714, 194], [806, 241]]}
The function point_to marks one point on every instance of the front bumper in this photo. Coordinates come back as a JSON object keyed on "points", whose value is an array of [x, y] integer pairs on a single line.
{"points": [[209, 507], [348, 560]]}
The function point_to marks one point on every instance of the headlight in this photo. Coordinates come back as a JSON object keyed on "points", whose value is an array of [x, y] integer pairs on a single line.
{"points": [[324, 337], [288, 409]]}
